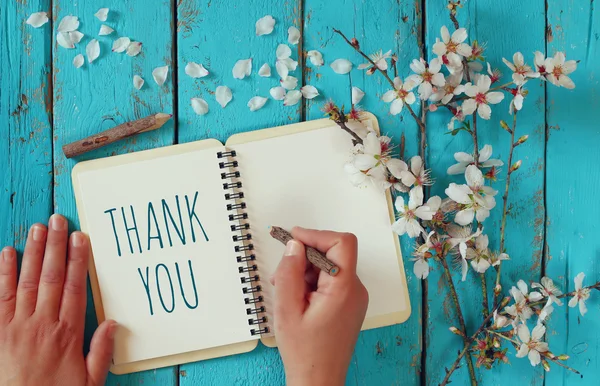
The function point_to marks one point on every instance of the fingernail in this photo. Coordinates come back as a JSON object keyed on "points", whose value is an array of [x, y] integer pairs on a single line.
{"points": [[38, 233], [292, 248], [58, 222], [6, 254], [77, 239], [112, 329]]}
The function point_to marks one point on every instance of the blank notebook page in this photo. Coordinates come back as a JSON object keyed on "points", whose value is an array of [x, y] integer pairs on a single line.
{"points": [[299, 179]]}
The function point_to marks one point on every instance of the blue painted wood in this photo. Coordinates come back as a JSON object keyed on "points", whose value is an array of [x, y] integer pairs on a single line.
{"points": [[572, 179]]}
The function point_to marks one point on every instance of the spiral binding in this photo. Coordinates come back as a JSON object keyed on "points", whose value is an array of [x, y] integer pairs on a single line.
{"points": [[246, 258]]}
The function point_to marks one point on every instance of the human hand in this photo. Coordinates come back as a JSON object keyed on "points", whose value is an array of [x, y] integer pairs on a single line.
{"points": [[42, 317], [317, 316]]}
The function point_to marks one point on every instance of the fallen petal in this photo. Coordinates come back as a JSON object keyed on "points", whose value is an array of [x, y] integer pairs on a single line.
{"points": [[63, 40], [283, 51], [309, 92], [195, 70], [102, 14], [68, 24], [121, 44], [357, 95], [316, 58], [265, 25], [78, 61], [341, 66], [160, 74], [75, 36], [292, 97], [256, 103], [282, 69], [289, 83], [92, 50], [105, 30], [134, 48], [242, 68], [138, 82], [200, 106], [38, 19], [293, 35], [277, 93], [265, 71], [223, 95]]}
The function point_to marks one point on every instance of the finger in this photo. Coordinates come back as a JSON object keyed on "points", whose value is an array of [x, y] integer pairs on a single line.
{"points": [[8, 284], [53, 269], [289, 282], [72, 309], [341, 248], [99, 358], [31, 267]]}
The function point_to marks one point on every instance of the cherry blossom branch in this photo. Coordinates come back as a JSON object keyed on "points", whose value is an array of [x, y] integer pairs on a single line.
{"points": [[486, 305], [338, 116]]}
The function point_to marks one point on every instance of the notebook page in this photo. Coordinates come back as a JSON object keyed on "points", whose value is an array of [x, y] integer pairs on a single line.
{"points": [[171, 281], [299, 179]]}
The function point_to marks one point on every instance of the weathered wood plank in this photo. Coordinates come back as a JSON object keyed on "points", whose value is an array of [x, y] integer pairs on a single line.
{"points": [[101, 95], [392, 355], [572, 179], [498, 27], [218, 34]]}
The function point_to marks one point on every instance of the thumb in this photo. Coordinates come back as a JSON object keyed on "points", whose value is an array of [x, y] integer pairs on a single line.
{"points": [[99, 358], [290, 286]]}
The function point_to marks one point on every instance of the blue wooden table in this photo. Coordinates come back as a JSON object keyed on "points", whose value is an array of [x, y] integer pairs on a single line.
{"points": [[553, 228]]}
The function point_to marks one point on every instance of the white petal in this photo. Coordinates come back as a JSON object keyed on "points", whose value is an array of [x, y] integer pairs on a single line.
{"points": [[265, 25], [396, 167], [293, 35], [400, 226], [389, 96], [582, 307], [484, 111], [579, 280], [223, 95], [105, 30], [396, 106], [242, 68], [78, 61], [138, 82], [309, 92], [63, 40], [102, 14], [283, 51], [316, 58], [341, 66], [38, 19], [195, 70], [277, 93], [538, 332], [134, 48], [200, 106], [292, 97], [265, 71], [399, 204], [534, 357], [415, 198], [121, 44], [485, 153], [445, 34], [282, 69], [256, 103], [92, 50], [160, 74], [464, 217], [421, 269], [289, 83], [523, 351], [68, 23], [357, 95], [434, 203], [456, 169], [474, 176], [494, 97], [75, 36]]}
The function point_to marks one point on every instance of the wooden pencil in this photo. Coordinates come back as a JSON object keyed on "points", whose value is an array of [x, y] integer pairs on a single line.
{"points": [[117, 133]]}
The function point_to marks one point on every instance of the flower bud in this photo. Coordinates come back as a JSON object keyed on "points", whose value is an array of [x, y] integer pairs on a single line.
{"points": [[456, 331], [505, 126], [521, 140], [562, 357], [515, 166], [497, 289], [354, 43], [433, 107], [546, 365]]}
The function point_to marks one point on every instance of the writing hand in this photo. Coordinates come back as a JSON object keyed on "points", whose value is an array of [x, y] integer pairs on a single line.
{"points": [[317, 316], [42, 316]]}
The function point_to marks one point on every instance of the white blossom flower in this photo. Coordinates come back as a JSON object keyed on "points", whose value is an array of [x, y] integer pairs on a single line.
{"points": [[460, 236], [242, 68], [417, 176], [293, 35], [37, 19], [452, 48], [341, 66], [500, 321], [477, 199], [407, 214], [532, 345], [549, 290], [450, 89], [315, 57], [374, 152], [497, 258], [465, 159], [256, 103], [396, 167], [421, 255], [479, 256], [581, 294], [532, 296], [457, 116], [357, 95], [284, 63], [359, 177], [494, 74], [427, 76], [521, 71], [545, 312], [539, 62], [401, 94], [195, 70], [481, 97], [380, 60], [558, 69], [265, 25], [518, 97], [520, 310]]}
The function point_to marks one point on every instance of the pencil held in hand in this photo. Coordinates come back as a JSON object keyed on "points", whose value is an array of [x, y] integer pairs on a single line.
{"points": [[315, 257]]}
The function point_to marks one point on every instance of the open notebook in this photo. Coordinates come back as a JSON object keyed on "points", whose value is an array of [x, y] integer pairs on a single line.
{"points": [[181, 247]]}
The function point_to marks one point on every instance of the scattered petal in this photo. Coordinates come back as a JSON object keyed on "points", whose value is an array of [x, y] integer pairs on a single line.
{"points": [[265, 25], [277, 93], [102, 14], [309, 92], [138, 82], [134, 48], [292, 97], [92, 50], [293, 35], [64, 40], [282, 70], [256, 103], [38, 19], [283, 51], [121, 44], [200, 106], [78, 61], [160, 74], [341, 66], [316, 58], [105, 30], [357, 95], [223, 95], [242, 68], [75, 36], [196, 70], [68, 24], [289, 83], [265, 71]]}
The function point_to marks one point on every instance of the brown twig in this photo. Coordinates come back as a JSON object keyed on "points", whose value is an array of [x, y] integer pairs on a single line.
{"points": [[486, 305]]}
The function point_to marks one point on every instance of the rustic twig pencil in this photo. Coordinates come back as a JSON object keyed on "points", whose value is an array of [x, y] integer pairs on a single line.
{"points": [[315, 257], [119, 132]]}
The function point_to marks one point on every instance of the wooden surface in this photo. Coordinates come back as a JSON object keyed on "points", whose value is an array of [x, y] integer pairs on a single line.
{"points": [[45, 102]]}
